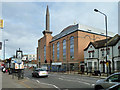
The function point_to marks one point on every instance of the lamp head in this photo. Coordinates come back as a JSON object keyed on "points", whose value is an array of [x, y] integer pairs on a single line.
{"points": [[96, 10]]}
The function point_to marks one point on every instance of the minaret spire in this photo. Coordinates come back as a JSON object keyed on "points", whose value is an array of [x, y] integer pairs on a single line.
{"points": [[47, 30], [47, 19]]}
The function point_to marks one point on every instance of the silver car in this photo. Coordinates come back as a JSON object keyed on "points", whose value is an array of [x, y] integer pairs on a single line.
{"points": [[108, 82], [39, 72]]}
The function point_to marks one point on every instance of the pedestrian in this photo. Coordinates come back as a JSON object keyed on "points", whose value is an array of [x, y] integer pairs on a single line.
{"points": [[6, 70]]}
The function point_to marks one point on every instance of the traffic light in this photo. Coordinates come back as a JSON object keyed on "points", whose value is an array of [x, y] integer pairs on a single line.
{"points": [[45, 61], [50, 61], [9, 60]]}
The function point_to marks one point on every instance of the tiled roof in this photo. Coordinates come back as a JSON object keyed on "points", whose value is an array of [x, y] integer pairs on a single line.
{"points": [[102, 43], [114, 40]]}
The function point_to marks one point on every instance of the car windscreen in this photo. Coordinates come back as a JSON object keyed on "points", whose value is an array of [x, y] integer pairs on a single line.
{"points": [[41, 70]]}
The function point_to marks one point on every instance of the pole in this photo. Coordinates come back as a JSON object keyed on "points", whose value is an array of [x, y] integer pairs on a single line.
{"points": [[106, 42], [4, 51], [106, 34]]}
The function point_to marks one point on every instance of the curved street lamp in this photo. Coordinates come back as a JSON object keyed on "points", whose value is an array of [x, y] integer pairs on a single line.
{"points": [[106, 32]]}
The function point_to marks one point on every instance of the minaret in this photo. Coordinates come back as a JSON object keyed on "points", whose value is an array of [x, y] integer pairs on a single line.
{"points": [[47, 19], [47, 22]]}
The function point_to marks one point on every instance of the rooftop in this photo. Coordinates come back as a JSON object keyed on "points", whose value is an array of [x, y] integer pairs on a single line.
{"points": [[79, 27]]}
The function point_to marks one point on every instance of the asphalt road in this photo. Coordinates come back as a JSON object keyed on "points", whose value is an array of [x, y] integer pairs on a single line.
{"points": [[64, 80]]}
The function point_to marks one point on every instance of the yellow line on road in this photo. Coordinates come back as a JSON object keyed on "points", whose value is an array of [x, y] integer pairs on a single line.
{"points": [[26, 85]]}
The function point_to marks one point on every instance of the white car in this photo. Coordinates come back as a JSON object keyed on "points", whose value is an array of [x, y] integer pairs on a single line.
{"points": [[39, 72], [108, 82]]}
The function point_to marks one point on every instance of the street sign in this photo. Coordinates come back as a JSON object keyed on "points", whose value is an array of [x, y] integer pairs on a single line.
{"points": [[107, 64], [58, 63], [1, 23], [0, 45]]}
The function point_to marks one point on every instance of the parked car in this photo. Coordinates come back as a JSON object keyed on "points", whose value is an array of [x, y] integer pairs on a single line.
{"points": [[39, 72], [108, 82], [114, 87]]}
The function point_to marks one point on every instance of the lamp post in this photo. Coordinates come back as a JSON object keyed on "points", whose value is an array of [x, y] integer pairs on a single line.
{"points": [[106, 33], [4, 48]]}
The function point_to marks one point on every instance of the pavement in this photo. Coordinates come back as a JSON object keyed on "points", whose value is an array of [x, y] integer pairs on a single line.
{"points": [[9, 83]]}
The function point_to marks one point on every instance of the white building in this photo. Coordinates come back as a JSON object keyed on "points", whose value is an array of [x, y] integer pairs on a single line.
{"points": [[30, 60], [95, 55]]}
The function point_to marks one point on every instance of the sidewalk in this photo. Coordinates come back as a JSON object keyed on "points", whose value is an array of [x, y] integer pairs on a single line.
{"points": [[29, 84], [103, 76]]}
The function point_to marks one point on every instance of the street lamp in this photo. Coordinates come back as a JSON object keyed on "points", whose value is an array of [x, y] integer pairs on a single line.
{"points": [[4, 48], [106, 33]]}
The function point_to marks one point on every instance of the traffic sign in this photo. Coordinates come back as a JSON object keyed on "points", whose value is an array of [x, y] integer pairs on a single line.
{"points": [[107, 63], [1, 23]]}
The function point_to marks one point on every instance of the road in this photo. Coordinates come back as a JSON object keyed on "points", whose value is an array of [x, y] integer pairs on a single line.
{"points": [[64, 80]]}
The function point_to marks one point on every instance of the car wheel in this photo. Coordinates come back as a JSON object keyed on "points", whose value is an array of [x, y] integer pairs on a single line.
{"points": [[98, 88], [47, 76]]}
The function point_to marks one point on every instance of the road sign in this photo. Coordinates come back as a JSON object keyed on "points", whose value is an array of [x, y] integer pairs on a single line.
{"points": [[107, 64], [1, 23], [58, 63]]}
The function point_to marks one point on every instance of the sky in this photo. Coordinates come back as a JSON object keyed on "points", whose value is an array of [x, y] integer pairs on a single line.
{"points": [[25, 21]]}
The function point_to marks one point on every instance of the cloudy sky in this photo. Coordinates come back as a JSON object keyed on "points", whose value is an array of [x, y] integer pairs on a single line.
{"points": [[25, 21]]}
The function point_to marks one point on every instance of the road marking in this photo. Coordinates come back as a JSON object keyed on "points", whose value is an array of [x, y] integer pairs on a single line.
{"points": [[75, 81], [93, 85], [26, 85], [37, 81], [49, 84], [27, 78]]}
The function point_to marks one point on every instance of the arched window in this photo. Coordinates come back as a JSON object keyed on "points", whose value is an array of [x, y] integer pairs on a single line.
{"points": [[58, 51], [72, 47], [53, 52], [64, 49], [44, 52]]}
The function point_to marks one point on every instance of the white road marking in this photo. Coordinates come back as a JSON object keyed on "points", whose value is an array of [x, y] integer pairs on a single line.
{"points": [[84, 82], [93, 85], [75, 81], [27, 78], [49, 84], [37, 81]]}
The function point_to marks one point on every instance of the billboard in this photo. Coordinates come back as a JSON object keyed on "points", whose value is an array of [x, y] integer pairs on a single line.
{"points": [[0, 45]]}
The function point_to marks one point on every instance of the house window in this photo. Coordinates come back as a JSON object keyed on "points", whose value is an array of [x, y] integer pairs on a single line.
{"points": [[53, 52], [44, 52], [64, 49], [102, 53], [108, 51], [95, 65], [118, 65], [119, 52], [72, 47], [91, 54], [39, 58], [58, 51]]}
